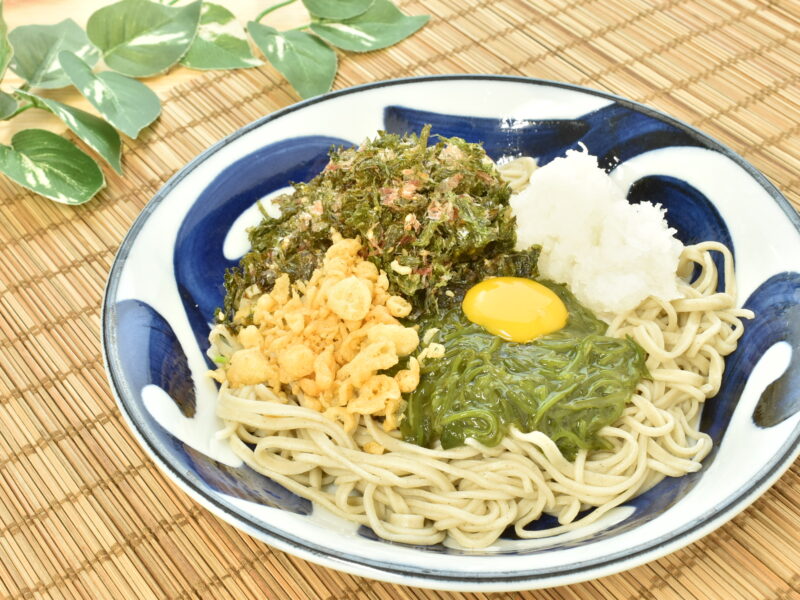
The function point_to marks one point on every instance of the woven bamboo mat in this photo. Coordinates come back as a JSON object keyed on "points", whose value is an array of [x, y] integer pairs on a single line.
{"points": [[83, 512]]}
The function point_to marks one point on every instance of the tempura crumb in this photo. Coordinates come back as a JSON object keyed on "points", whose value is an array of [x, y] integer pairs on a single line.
{"points": [[329, 339]]}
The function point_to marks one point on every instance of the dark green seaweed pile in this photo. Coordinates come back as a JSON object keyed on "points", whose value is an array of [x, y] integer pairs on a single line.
{"points": [[568, 384], [441, 210]]}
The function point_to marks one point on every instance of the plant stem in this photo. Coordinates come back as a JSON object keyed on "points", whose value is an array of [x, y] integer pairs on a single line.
{"points": [[301, 27], [268, 10], [20, 109], [171, 2]]}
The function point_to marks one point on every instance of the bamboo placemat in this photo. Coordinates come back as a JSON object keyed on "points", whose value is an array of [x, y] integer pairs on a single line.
{"points": [[83, 512]]}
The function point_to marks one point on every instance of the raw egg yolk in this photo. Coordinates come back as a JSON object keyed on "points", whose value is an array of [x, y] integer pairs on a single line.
{"points": [[514, 308]]}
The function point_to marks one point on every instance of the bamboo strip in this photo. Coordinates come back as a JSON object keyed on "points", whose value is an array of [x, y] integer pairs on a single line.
{"points": [[84, 514]]}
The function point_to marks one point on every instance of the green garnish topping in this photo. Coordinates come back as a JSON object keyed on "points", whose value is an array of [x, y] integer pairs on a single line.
{"points": [[220, 360], [568, 384], [440, 210]]}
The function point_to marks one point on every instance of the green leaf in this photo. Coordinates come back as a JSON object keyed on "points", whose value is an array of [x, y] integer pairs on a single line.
{"points": [[337, 9], [306, 61], [36, 49], [142, 38], [51, 166], [220, 42], [6, 51], [98, 135], [381, 26], [127, 104], [7, 105]]}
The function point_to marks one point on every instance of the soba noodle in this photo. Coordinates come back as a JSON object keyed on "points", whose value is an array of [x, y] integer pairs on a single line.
{"points": [[517, 173], [471, 494]]}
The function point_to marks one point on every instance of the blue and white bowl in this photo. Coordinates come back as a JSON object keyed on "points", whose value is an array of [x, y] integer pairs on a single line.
{"points": [[166, 282]]}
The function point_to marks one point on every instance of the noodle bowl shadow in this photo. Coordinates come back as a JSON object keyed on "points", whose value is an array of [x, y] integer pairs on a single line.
{"points": [[166, 283]]}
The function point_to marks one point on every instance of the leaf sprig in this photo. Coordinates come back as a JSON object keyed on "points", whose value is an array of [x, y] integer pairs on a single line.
{"points": [[142, 38]]}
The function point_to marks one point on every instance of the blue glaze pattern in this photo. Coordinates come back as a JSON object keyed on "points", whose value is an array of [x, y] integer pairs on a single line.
{"points": [[776, 303], [148, 335], [689, 212], [245, 483], [500, 137], [613, 133], [198, 259], [781, 400]]}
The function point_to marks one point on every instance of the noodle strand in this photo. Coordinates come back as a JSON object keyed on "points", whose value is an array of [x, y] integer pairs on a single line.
{"points": [[471, 494]]}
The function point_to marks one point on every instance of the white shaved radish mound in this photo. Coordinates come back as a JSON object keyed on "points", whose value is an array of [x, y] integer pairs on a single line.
{"points": [[610, 253]]}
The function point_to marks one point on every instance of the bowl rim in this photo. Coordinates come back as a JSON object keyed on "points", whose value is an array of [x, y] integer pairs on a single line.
{"points": [[439, 578]]}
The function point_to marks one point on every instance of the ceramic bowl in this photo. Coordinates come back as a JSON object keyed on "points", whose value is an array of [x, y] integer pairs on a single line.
{"points": [[166, 282]]}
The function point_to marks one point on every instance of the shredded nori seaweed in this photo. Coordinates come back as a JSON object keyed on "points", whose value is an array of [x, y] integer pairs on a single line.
{"points": [[441, 210], [568, 384]]}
